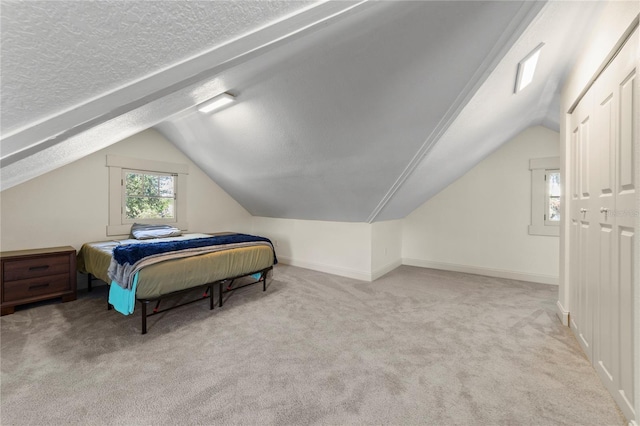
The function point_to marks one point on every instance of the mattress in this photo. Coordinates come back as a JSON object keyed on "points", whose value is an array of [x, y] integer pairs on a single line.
{"points": [[178, 274]]}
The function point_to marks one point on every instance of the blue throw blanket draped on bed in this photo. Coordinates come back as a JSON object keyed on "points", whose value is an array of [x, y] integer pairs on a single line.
{"points": [[131, 253]]}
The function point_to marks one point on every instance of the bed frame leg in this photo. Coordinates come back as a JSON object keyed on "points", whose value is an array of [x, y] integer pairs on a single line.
{"points": [[89, 279], [220, 290], [211, 297], [144, 317]]}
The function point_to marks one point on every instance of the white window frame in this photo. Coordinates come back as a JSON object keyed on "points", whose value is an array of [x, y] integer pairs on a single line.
{"points": [[539, 194], [118, 225]]}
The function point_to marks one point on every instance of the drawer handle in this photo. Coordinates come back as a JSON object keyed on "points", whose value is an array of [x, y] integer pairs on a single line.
{"points": [[39, 268], [37, 286]]}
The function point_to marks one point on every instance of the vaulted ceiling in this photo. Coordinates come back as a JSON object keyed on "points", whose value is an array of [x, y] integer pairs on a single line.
{"points": [[347, 111]]}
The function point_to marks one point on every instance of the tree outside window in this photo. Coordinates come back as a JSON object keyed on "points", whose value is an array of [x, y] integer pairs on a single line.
{"points": [[545, 196], [553, 197], [148, 195]]}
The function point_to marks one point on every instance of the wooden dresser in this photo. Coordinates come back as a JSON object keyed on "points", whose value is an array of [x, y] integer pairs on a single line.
{"points": [[33, 275]]}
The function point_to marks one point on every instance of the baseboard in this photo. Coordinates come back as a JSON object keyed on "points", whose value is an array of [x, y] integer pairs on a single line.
{"points": [[478, 270], [385, 269], [330, 269], [562, 313], [370, 276]]}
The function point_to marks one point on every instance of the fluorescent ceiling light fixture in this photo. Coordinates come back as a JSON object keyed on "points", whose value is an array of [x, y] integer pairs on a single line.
{"points": [[216, 103], [526, 69]]}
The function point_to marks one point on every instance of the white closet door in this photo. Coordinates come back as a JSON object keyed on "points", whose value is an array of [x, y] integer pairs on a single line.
{"points": [[581, 216], [607, 337], [604, 221], [624, 83]]}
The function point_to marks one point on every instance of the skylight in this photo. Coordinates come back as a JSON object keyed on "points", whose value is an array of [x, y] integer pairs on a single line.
{"points": [[527, 68]]}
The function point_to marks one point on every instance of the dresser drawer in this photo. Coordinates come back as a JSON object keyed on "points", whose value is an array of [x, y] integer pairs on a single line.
{"points": [[35, 267], [35, 287]]}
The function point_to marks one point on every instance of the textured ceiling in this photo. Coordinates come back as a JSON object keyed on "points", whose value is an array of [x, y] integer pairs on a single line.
{"points": [[57, 54], [99, 121], [347, 111]]}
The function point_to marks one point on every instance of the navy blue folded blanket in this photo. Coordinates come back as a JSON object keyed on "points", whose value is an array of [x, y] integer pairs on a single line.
{"points": [[131, 253]]}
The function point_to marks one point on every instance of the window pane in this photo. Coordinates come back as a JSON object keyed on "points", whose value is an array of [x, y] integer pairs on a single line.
{"points": [[134, 183], [553, 180], [151, 185], [166, 186], [149, 208]]}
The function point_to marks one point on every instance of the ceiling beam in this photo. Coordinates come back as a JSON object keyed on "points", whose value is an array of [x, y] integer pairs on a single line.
{"points": [[18, 144]]}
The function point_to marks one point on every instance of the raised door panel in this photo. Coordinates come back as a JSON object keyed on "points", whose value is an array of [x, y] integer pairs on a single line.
{"points": [[606, 352], [625, 157], [585, 317], [584, 160], [605, 136], [624, 272], [574, 259], [575, 163]]}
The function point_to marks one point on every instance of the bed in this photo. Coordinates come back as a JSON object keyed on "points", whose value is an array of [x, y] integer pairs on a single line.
{"points": [[220, 267]]}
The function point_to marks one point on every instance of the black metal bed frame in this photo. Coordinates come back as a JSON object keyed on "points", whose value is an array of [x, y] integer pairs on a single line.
{"points": [[208, 294]]}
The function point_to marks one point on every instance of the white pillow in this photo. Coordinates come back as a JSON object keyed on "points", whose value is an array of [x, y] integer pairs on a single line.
{"points": [[141, 231]]}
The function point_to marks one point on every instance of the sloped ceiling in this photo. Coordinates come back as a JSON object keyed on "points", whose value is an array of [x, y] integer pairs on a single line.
{"points": [[347, 111], [92, 47]]}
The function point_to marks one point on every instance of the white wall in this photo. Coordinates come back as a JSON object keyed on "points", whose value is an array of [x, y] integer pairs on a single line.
{"points": [[340, 248], [479, 223], [351, 249], [69, 206]]}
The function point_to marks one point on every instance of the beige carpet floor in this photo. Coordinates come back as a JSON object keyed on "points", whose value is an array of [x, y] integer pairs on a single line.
{"points": [[417, 346]]}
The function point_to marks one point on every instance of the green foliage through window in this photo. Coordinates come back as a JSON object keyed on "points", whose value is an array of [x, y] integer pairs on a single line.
{"points": [[149, 195], [553, 196]]}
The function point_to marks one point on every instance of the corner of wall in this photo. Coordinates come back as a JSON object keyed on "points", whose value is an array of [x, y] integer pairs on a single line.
{"points": [[562, 313], [338, 248], [386, 247]]}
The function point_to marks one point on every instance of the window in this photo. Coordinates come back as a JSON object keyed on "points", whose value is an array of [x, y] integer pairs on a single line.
{"points": [[148, 195], [145, 191], [545, 196], [552, 197]]}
